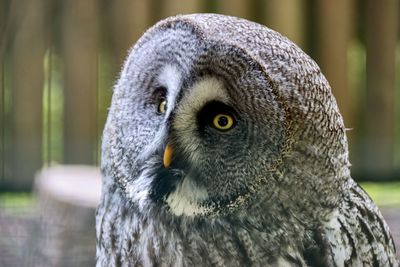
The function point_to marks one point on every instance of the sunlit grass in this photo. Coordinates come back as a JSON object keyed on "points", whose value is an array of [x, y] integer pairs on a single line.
{"points": [[384, 194], [17, 203]]}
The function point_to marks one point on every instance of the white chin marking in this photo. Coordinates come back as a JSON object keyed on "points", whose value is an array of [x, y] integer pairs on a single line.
{"points": [[186, 198]]}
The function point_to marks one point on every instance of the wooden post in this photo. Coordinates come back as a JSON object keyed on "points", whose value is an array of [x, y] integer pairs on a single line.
{"points": [[334, 29], [128, 20], [287, 17], [3, 23], [175, 7], [80, 81], [2, 120], [238, 8], [381, 38], [27, 84]]}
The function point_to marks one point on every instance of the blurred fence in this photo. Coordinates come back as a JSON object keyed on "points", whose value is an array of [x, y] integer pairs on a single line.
{"points": [[59, 60]]}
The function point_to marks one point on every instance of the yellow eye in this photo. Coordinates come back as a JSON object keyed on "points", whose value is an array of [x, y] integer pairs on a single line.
{"points": [[162, 107], [223, 122]]}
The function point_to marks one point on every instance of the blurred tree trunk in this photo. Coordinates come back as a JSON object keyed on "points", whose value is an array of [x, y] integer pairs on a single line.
{"points": [[334, 30], [80, 81], [175, 7], [3, 23], [4, 17], [27, 84], [381, 37], [237, 8], [7, 18], [2, 120], [287, 17], [128, 21]]}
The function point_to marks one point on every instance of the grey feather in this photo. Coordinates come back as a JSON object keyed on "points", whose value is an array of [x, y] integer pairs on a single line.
{"points": [[273, 190]]}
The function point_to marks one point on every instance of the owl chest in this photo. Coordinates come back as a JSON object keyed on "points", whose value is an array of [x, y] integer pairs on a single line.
{"points": [[159, 246], [126, 239]]}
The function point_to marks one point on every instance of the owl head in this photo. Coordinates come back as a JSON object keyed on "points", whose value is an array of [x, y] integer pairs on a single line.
{"points": [[217, 116]]}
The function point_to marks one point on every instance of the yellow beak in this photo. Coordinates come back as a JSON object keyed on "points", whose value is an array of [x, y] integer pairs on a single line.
{"points": [[169, 150]]}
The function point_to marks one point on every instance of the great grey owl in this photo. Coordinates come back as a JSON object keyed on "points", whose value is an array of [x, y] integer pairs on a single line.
{"points": [[224, 146]]}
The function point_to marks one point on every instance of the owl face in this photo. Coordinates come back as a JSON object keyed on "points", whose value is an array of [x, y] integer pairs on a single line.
{"points": [[217, 114], [201, 127]]}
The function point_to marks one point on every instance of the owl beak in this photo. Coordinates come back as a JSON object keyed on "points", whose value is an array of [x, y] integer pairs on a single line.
{"points": [[169, 150]]}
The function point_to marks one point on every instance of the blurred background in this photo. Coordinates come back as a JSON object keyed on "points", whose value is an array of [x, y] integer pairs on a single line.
{"points": [[60, 59]]}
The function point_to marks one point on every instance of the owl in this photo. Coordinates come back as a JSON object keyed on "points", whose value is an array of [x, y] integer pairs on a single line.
{"points": [[224, 146]]}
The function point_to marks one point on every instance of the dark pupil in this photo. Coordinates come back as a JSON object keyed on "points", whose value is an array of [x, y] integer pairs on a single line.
{"points": [[223, 121]]}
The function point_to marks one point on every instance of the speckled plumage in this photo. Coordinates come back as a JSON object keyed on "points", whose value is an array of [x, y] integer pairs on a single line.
{"points": [[275, 190]]}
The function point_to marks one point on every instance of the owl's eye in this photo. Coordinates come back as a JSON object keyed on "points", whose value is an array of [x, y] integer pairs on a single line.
{"points": [[217, 115], [162, 106], [223, 122], [159, 99]]}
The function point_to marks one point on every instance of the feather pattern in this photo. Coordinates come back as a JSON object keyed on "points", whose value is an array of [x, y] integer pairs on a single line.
{"points": [[272, 190]]}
